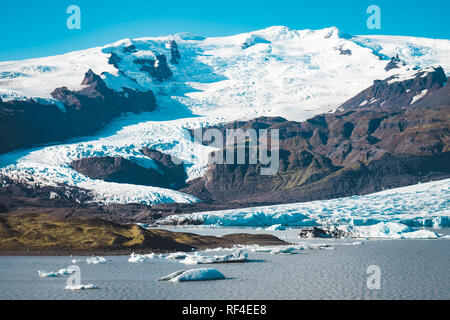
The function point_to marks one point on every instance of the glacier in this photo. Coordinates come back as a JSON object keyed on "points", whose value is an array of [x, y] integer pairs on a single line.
{"points": [[420, 205]]}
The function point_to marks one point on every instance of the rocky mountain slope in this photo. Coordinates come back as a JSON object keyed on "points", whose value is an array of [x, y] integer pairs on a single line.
{"points": [[360, 151]]}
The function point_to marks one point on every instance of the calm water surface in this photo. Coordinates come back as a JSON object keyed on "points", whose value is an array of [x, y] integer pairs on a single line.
{"points": [[410, 269]]}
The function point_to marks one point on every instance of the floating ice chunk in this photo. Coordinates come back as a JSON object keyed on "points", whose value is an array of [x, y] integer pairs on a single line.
{"points": [[240, 256], [75, 261], [193, 275], [356, 243], [81, 287], [59, 273], [44, 274], [177, 255], [276, 227], [96, 260], [171, 276], [65, 271], [136, 257], [284, 250]]}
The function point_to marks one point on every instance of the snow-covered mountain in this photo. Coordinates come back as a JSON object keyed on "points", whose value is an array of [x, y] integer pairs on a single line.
{"points": [[275, 71], [200, 81]]}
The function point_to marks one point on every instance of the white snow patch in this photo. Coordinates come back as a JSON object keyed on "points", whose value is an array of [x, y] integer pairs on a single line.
{"points": [[422, 94]]}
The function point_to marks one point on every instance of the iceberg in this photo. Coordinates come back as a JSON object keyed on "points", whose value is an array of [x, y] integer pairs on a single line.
{"points": [[177, 255], [285, 250], [136, 258], [193, 275], [59, 273], [96, 260], [240, 256], [81, 287]]}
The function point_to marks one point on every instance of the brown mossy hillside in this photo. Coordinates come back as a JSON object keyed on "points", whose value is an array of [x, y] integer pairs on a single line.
{"points": [[48, 234]]}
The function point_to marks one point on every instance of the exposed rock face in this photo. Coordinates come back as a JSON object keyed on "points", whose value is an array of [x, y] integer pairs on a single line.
{"points": [[175, 174], [333, 155], [102, 102], [394, 63], [25, 123], [252, 40], [229, 182], [174, 52], [323, 232], [344, 52], [13, 193], [393, 92], [158, 69], [120, 170]]}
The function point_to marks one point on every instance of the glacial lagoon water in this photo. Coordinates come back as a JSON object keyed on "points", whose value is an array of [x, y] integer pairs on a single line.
{"points": [[410, 269]]}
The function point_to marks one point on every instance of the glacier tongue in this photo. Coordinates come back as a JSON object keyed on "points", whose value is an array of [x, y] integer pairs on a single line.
{"points": [[421, 205]]}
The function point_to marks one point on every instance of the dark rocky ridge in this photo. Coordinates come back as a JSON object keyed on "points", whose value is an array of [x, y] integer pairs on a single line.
{"points": [[392, 93], [395, 63], [121, 170], [174, 52], [157, 69], [27, 123]]}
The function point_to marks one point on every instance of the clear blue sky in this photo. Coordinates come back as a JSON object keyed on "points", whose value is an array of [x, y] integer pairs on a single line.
{"points": [[38, 28]]}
